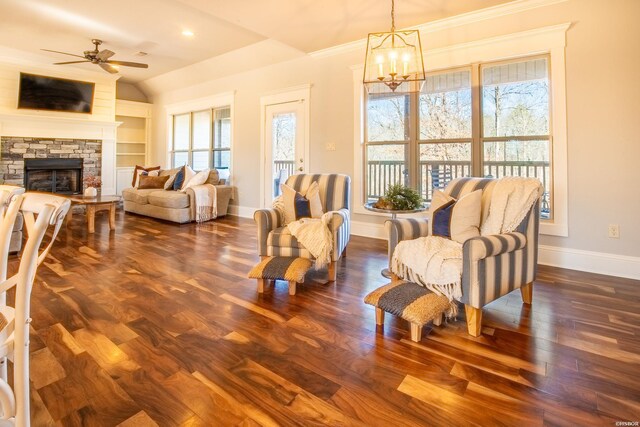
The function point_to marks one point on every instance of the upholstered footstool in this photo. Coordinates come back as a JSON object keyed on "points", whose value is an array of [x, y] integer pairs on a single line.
{"points": [[290, 269], [410, 301]]}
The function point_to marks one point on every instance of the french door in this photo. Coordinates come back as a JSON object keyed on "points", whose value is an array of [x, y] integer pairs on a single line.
{"points": [[284, 145]]}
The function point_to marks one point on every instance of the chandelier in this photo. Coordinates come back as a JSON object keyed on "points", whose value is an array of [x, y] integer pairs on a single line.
{"points": [[394, 59]]}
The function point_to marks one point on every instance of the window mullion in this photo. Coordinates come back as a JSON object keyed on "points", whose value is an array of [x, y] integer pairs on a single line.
{"points": [[476, 122]]}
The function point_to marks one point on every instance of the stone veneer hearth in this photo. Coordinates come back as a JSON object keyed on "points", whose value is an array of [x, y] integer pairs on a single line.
{"points": [[16, 149]]}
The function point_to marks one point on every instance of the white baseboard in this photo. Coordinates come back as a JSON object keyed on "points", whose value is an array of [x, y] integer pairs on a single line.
{"points": [[368, 229], [241, 211], [573, 259], [589, 261]]}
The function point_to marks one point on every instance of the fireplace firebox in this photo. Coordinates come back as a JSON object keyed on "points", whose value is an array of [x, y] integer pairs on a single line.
{"points": [[62, 176]]}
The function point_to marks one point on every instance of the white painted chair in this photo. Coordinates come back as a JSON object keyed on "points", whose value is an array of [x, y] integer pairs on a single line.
{"points": [[40, 211], [8, 194]]}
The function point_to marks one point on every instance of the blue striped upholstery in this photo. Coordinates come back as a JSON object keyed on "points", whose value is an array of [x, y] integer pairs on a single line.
{"points": [[335, 195], [493, 265]]}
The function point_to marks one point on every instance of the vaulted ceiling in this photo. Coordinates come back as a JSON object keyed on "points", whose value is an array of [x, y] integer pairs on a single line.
{"points": [[219, 27]]}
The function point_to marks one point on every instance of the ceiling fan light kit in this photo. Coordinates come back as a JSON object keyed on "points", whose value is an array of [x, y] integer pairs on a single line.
{"points": [[100, 58], [393, 61]]}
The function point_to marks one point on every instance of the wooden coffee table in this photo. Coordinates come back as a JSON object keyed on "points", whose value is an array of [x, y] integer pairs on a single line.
{"points": [[95, 204]]}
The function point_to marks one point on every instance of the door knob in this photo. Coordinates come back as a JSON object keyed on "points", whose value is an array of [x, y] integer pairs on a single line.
{"points": [[300, 168]]}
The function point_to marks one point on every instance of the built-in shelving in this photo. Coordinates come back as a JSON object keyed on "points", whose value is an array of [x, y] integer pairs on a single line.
{"points": [[132, 142]]}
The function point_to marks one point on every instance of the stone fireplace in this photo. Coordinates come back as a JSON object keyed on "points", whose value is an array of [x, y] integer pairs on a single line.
{"points": [[49, 164]]}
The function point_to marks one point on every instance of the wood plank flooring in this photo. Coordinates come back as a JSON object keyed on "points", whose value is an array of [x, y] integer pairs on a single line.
{"points": [[157, 324]]}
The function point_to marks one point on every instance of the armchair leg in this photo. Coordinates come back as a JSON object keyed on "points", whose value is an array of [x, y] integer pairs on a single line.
{"points": [[474, 320], [261, 283], [527, 293], [333, 271], [379, 316]]}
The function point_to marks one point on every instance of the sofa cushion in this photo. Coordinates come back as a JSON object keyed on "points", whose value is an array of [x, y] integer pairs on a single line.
{"points": [[282, 237], [17, 225], [136, 195], [169, 199], [214, 177], [152, 182]]}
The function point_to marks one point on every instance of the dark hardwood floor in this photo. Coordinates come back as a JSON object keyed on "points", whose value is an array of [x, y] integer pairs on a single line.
{"points": [[157, 324]]}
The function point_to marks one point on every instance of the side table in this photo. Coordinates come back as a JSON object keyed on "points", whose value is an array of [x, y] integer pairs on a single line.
{"points": [[394, 212], [93, 205]]}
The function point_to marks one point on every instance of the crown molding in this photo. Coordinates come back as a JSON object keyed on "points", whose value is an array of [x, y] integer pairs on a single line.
{"points": [[517, 6]]}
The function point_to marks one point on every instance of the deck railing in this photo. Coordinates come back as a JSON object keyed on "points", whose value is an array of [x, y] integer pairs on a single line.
{"points": [[288, 165], [382, 173]]}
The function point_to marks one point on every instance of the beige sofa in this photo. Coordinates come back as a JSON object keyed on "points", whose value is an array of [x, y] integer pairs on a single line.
{"points": [[174, 206]]}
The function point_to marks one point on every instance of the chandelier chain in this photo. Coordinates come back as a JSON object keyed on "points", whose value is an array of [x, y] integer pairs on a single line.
{"points": [[393, 18]]}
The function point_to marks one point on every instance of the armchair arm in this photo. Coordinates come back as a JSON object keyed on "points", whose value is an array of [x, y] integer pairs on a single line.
{"points": [[478, 248], [404, 229], [266, 220], [340, 225]]}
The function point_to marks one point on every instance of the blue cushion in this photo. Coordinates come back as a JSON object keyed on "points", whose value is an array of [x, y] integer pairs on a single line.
{"points": [[442, 220], [301, 206], [177, 183]]}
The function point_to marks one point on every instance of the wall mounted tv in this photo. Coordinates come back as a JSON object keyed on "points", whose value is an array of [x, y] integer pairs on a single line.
{"points": [[54, 94]]}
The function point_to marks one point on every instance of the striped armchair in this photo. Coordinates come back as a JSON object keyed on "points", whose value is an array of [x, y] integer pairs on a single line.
{"points": [[493, 265], [275, 240]]}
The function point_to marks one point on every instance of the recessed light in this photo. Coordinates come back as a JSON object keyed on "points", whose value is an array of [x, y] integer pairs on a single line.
{"points": [[187, 33]]}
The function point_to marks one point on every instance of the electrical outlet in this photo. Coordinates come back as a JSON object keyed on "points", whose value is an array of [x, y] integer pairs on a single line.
{"points": [[331, 146], [614, 231]]}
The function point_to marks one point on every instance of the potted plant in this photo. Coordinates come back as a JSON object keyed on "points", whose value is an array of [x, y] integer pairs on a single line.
{"points": [[399, 197], [92, 183]]}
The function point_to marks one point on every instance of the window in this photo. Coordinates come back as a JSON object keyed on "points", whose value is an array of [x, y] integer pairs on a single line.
{"points": [[202, 139], [487, 119]]}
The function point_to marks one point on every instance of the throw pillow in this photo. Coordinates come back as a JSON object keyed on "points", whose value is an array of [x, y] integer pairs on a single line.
{"points": [[298, 205], [214, 177], [453, 219], [178, 180], [137, 171], [148, 182], [188, 174], [198, 179]]}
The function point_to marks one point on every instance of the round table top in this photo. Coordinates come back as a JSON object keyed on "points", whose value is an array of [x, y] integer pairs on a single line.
{"points": [[369, 207], [79, 199]]}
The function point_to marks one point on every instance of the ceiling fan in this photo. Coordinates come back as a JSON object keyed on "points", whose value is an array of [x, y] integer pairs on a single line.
{"points": [[99, 57]]}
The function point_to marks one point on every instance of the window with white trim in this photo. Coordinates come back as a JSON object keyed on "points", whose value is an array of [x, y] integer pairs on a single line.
{"points": [[202, 139], [486, 119]]}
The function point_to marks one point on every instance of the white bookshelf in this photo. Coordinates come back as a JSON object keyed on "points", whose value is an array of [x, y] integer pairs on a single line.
{"points": [[132, 141]]}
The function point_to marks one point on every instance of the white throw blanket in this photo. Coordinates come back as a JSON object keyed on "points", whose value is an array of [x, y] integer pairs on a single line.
{"points": [[434, 262], [206, 202], [511, 200], [315, 235]]}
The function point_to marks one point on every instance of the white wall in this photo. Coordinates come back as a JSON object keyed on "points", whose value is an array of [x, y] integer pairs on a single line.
{"points": [[130, 92], [603, 107]]}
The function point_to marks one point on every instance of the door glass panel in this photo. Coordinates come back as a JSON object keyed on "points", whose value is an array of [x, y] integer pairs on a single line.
{"points": [[181, 134], [386, 165], [202, 130], [283, 139]]}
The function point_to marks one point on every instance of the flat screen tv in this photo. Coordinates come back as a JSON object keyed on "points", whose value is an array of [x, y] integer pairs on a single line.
{"points": [[54, 94]]}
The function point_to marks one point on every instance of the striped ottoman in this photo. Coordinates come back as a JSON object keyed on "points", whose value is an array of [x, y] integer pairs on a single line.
{"points": [[281, 268], [413, 303]]}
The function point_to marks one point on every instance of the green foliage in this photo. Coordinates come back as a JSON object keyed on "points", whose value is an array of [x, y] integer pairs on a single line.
{"points": [[402, 198]]}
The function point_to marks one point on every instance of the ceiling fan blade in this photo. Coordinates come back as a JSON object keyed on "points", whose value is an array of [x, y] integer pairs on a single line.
{"points": [[105, 54], [128, 64], [108, 68], [64, 53], [70, 62]]}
